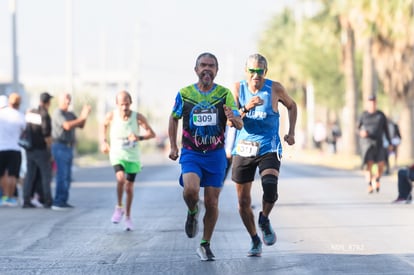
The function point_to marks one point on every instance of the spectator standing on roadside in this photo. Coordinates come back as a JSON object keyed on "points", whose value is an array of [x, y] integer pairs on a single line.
{"points": [[64, 123], [334, 133], [12, 124], [3, 101], [392, 150], [3, 104], [319, 135], [405, 185], [39, 157]]}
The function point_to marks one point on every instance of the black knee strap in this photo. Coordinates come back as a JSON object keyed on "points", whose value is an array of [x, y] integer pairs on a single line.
{"points": [[269, 184]]}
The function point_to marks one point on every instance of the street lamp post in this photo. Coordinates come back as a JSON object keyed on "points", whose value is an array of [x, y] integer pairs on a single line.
{"points": [[69, 47], [15, 62]]}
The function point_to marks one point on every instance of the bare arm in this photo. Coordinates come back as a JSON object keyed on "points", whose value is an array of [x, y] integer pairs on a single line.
{"points": [[279, 94], [253, 102], [70, 124], [80, 121], [172, 134], [143, 122], [235, 91], [105, 126], [232, 120]]}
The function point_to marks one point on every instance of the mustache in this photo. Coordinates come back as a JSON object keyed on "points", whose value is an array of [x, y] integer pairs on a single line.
{"points": [[209, 73]]}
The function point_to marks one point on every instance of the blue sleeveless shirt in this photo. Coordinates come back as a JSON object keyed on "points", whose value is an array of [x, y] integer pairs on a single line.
{"points": [[260, 133]]}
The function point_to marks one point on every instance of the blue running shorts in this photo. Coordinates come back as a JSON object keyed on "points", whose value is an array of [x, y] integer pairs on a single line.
{"points": [[209, 166]]}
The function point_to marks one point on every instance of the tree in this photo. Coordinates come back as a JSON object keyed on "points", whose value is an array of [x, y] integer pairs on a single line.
{"points": [[303, 49], [393, 50], [351, 91], [300, 52], [385, 30], [388, 29]]}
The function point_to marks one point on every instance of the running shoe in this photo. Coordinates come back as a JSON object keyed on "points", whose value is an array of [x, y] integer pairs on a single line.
{"points": [[59, 208], [36, 203], [3, 201], [118, 213], [11, 202], [256, 250], [191, 224], [370, 189], [398, 201], [269, 236], [28, 205], [128, 224], [204, 252], [377, 186], [409, 199]]}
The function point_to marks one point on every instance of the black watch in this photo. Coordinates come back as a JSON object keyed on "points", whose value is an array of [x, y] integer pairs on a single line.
{"points": [[244, 110]]}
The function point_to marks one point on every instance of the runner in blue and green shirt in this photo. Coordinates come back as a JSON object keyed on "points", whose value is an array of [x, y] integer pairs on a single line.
{"points": [[205, 107]]}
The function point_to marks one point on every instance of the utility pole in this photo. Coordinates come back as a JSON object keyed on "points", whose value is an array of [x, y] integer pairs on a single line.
{"points": [[136, 66], [310, 111], [69, 48], [15, 62]]}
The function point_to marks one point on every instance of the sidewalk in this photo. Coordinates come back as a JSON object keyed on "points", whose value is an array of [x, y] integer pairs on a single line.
{"points": [[339, 160], [147, 158], [315, 157]]}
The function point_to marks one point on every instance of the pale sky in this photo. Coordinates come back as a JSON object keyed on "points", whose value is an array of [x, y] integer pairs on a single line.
{"points": [[167, 34]]}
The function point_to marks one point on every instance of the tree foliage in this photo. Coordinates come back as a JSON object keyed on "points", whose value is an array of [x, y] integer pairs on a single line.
{"points": [[280, 50], [303, 49]]}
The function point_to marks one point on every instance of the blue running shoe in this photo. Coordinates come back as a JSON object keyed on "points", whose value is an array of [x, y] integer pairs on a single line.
{"points": [[269, 236], [11, 202], [256, 250]]}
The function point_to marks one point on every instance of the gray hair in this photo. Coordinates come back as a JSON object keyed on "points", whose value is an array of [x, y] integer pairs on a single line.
{"points": [[206, 54], [258, 58]]}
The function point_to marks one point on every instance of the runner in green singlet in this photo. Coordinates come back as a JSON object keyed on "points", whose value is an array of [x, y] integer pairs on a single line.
{"points": [[124, 153]]}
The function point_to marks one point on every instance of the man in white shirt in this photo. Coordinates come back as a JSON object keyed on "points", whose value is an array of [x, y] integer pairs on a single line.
{"points": [[12, 123], [3, 101]]}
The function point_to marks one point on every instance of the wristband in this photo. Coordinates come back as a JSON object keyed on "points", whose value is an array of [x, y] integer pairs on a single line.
{"points": [[243, 109]]}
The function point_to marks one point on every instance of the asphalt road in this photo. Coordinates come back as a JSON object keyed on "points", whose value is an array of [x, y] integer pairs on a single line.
{"points": [[325, 221]]}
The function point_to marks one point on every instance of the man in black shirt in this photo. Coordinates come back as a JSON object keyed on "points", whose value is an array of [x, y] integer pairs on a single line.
{"points": [[39, 158], [372, 127]]}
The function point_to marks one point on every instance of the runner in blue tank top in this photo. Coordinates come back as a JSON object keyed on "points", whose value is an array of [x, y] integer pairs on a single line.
{"points": [[258, 144], [205, 108]]}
